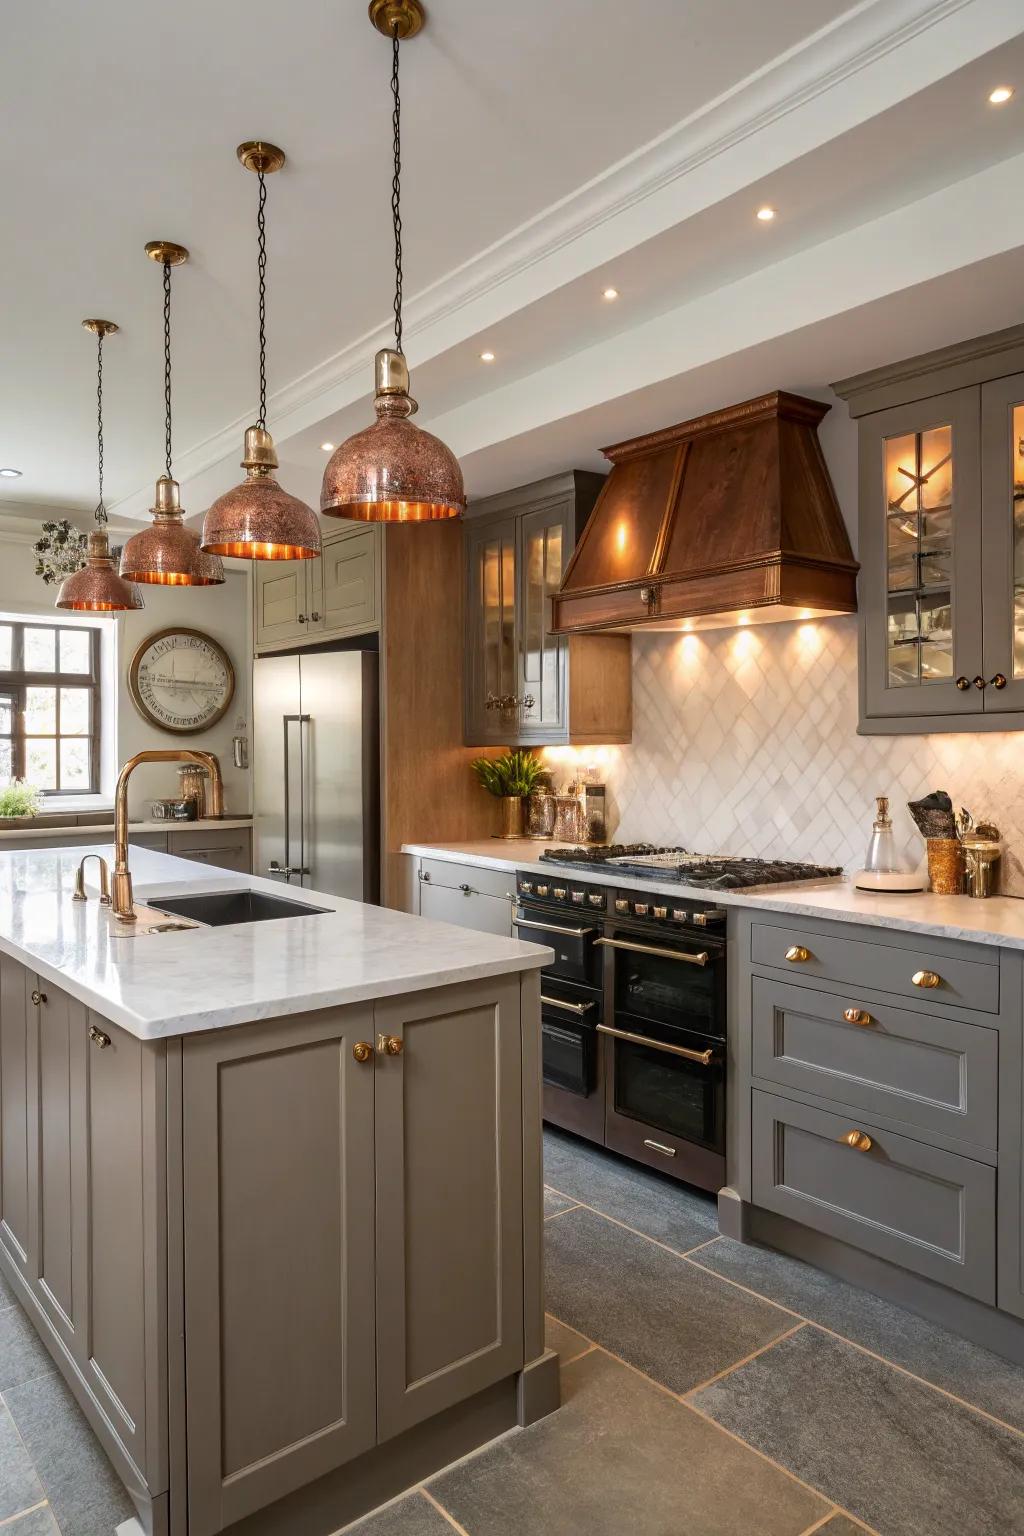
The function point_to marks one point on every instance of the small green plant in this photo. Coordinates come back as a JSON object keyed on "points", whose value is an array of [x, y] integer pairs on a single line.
{"points": [[19, 798], [514, 774]]}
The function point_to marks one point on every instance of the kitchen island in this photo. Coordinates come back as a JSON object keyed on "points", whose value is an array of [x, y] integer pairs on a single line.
{"points": [[270, 1190]]}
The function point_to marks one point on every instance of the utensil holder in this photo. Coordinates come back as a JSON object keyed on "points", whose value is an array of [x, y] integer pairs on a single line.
{"points": [[946, 865]]}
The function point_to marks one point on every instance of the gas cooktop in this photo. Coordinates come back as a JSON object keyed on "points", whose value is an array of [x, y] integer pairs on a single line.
{"points": [[716, 872]]}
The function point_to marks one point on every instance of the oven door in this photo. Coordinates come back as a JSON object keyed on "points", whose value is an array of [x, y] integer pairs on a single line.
{"points": [[669, 1083], [577, 957], [568, 1042], [653, 980]]}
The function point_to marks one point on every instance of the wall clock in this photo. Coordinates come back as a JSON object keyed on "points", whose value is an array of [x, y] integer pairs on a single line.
{"points": [[181, 680]]}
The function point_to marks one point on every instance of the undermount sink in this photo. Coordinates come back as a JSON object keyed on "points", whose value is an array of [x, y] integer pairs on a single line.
{"points": [[219, 909]]}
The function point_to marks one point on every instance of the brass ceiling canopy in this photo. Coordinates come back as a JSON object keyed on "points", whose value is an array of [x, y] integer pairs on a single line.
{"points": [[97, 588], [167, 553], [258, 520], [394, 472]]}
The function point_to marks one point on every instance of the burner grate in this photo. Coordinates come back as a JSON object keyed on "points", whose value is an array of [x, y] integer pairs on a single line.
{"points": [[712, 871]]}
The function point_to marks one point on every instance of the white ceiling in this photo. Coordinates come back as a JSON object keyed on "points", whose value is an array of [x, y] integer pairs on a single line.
{"points": [[548, 150]]}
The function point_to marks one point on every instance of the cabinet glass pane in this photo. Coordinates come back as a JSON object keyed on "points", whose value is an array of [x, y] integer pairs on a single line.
{"points": [[498, 617], [542, 577], [1018, 540], [919, 556]]}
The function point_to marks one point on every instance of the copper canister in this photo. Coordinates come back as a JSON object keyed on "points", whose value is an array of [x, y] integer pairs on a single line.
{"points": [[946, 865]]}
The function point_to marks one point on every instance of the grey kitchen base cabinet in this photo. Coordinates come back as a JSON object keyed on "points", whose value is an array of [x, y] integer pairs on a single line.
{"points": [[283, 1277]]}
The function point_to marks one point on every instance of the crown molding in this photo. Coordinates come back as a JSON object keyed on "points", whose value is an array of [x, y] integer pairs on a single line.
{"points": [[854, 42]]}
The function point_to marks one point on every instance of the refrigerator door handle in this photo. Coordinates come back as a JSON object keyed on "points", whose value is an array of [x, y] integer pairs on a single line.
{"points": [[298, 868]]}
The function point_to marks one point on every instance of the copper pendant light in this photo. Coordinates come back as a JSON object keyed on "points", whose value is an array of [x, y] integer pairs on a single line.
{"points": [[394, 472], [258, 520], [97, 588], [167, 553]]}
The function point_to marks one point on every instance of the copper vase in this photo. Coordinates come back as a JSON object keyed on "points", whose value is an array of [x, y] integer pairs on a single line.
{"points": [[945, 865], [511, 816]]}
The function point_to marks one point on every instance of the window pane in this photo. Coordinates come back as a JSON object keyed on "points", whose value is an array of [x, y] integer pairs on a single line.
{"points": [[76, 650], [41, 763], [40, 711], [74, 711], [40, 650], [6, 715], [5, 762], [6, 644], [74, 764]]}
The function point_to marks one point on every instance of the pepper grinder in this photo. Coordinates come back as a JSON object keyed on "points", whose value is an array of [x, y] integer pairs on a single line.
{"points": [[884, 870]]}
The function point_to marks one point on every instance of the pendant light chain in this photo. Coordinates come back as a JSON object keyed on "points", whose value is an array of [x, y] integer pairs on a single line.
{"points": [[167, 366], [261, 225], [396, 188], [101, 511]]}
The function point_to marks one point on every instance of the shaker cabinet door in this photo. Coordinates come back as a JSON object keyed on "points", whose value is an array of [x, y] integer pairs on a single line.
{"points": [[449, 1198], [920, 498], [348, 579], [278, 1214], [61, 1034], [1002, 484], [492, 635], [17, 1113], [280, 600]]}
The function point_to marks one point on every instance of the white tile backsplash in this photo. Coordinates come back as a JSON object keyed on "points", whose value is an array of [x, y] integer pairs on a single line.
{"points": [[745, 741]]}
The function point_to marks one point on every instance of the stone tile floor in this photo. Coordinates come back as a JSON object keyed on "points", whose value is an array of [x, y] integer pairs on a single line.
{"points": [[709, 1389]]}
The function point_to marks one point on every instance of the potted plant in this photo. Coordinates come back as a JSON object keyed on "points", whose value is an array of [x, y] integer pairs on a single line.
{"points": [[19, 801], [510, 778]]}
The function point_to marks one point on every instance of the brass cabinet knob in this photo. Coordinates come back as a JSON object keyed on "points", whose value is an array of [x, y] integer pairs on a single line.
{"points": [[926, 979], [98, 1037], [963, 683], [860, 1141], [38, 997], [389, 1045], [999, 681], [362, 1050], [314, 617], [857, 1016], [797, 954], [979, 682]]}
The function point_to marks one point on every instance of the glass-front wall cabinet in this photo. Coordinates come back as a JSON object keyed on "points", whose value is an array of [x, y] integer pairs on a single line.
{"points": [[919, 555]]}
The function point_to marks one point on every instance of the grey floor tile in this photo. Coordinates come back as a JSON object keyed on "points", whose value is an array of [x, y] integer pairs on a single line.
{"points": [[414, 1516], [6, 1294], [19, 1486], [896, 1454], [87, 1497], [673, 1213], [22, 1352], [566, 1342], [672, 1320], [620, 1455], [975, 1374], [39, 1523], [554, 1202], [839, 1525]]}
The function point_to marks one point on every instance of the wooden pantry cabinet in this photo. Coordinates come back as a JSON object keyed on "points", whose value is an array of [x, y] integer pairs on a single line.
{"points": [[941, 497]]}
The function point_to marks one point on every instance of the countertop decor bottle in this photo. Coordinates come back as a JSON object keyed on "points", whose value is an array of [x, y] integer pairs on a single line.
{"points": [[884, 868]]}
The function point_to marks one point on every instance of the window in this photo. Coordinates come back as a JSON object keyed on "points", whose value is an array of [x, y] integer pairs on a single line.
{"points": [[50, 706]]}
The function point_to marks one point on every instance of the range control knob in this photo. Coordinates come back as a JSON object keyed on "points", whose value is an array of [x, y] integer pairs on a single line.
{"points": [[577, 897], [526, 886], [621, 906], [661, 911], [709, 919], [560, 893], [640, 908], [596, 901], [542, 890], [680, 915]]}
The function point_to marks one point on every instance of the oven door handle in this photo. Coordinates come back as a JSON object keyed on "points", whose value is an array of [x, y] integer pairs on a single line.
{"points": [[705, 1058], [701, 958], [577, 1008], [571, 933]]}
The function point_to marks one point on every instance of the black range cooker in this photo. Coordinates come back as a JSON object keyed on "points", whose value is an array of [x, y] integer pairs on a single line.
{"points": [[633, 1013]]}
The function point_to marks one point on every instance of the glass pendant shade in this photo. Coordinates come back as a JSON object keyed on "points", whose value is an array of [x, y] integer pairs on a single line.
{"points": [[257, 520], [97, 588], [167, 553], [393, 472]]}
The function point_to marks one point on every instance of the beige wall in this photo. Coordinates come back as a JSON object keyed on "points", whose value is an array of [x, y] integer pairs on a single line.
{"points": [[223, 612]]}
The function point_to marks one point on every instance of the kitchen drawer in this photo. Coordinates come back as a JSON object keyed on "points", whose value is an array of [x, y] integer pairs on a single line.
{"points": [[485, 882], [228, 850], [879, 967], [918, 1206], [467, 909], [938, 1074]]}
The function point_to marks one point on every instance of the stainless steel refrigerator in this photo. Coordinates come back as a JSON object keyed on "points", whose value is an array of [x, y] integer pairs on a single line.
{"points": [[316, 771]]}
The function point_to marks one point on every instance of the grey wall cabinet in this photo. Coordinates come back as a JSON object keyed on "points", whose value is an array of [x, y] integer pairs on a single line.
{"points": [[942, 538], [303, 601], [525, 686]]}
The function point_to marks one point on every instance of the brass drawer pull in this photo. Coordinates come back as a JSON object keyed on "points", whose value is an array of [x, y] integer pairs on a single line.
{"points": [[571, 933], [389, 1045], [37, 997], [700, 958], [857, 1016], [703, 1058], [362, 1050], [98, 1037], [659, 1146], [577, 1008], [926, 979], [797, 954], [860, 1141]]}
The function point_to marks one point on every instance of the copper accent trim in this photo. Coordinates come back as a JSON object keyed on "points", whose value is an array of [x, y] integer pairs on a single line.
{"points": [[166, 252], [257, 155], [101, 327], [406, 17]]}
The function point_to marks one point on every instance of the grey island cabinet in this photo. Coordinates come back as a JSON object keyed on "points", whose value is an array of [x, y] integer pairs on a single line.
{"points": [[285, 1251]]}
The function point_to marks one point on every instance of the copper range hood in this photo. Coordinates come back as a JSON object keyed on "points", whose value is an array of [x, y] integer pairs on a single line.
{"points": [[728, 519]]}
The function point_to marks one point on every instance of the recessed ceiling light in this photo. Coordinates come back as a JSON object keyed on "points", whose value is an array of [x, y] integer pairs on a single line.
{"points": [[327, 447], [610, 293], [11, 474], [766, 214], [487, 357], [1000, 94]]}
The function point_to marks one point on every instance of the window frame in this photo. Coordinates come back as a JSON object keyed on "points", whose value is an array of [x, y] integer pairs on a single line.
{"points": [[16, 680]]}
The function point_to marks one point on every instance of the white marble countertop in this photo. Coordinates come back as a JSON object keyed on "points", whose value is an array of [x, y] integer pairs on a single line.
{"points": [[100, 829], [997, 920], [162, 984]]}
